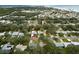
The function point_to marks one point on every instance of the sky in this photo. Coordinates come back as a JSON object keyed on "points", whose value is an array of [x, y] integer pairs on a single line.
{"points": [[67, 7], [53, 3], [39, 2]]}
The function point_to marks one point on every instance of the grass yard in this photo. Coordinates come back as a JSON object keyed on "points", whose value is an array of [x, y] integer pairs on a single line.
{"points": [[65, 40], [58, 40], [75, 40]]}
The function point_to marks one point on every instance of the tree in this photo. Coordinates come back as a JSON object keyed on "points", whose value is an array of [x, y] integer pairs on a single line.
{"points": [[49, 49]]}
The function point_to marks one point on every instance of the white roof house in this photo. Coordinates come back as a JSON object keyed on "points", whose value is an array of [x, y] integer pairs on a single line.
{"points": [[59, 44], [40, 32], [5, 21], [65, 32], [75, 43], [1, 17], [7, 46], [13, 34], [67, 43], [32, 44], [2, 34], [20, 47], [16, 34], [73, 37], [41, 44], [33, 32]]}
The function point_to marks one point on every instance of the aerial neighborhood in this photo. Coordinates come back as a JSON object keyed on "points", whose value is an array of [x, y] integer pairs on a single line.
{"points": [[38, 30]]}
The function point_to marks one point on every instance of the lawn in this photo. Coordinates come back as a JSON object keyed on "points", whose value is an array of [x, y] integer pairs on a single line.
{"points": [[65, 40], [57, 41], [75, 40]]}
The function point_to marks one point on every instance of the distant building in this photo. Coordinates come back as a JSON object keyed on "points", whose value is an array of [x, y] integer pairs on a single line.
{"points": [[5, 21]]}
